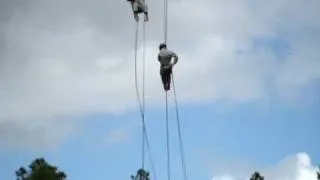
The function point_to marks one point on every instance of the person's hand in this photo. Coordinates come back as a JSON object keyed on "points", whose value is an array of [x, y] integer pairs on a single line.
{"points": [[171, 62]]}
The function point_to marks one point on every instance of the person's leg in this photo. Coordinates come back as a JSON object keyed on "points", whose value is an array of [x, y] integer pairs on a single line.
{"points": [[146, 17], [169, 72], [145, 10], [136, 17], [135, 8], [163, 78], [166, 79]]}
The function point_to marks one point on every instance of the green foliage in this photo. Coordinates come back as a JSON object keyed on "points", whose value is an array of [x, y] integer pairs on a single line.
{"points": [[39, 169], [141, 175], [318, 173], [256, 176]]}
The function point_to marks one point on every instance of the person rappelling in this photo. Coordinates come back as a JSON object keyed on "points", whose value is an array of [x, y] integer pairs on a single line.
{"points": [[165, 57], [139, 6]]}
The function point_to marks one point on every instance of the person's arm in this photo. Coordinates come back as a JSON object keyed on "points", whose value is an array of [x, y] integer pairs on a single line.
{"points": [[174, 56]]}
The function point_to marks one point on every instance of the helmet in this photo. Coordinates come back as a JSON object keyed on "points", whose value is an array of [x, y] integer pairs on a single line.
{"points": [[162, 45]]}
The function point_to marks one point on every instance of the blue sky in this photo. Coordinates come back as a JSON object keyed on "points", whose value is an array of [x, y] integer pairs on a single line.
{"points": [[249, 131]]}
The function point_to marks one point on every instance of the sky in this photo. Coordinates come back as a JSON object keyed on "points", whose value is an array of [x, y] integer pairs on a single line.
{"points": [[247, 84]]}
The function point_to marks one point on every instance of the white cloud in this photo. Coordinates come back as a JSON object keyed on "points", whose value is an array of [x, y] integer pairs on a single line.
{"points": [[296, 167], [73, 58]]}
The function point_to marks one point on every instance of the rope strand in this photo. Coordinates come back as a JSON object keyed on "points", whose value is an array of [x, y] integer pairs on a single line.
{"points": [[150, 155], [167, 132], [145, 139], [137, 92], [165, 21], [184, 169], [143, 83], [145, 129], [167, 119]]}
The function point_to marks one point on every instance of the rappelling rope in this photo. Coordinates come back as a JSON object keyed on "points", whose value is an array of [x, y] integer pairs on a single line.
{"points": [[145, 139], [167, 118], [165, 21], [138, 95], [143, 91], [184, 169], [183, 161], [168, 143]]}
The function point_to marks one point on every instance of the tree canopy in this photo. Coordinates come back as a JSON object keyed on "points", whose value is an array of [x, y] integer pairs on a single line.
{"points": [[39, 169], [256, 176]]}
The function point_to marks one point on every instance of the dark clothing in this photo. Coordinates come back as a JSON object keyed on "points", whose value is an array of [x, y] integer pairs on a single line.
{"points": [[139, 6], [164, 57], [166, 77]]}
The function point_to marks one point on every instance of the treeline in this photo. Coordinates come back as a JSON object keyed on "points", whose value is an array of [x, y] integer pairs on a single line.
{"points": [[40, 169]]}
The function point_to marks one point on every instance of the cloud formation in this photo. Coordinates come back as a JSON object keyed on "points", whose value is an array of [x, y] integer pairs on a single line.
{"points": [[73, 58], [296, 167]]}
